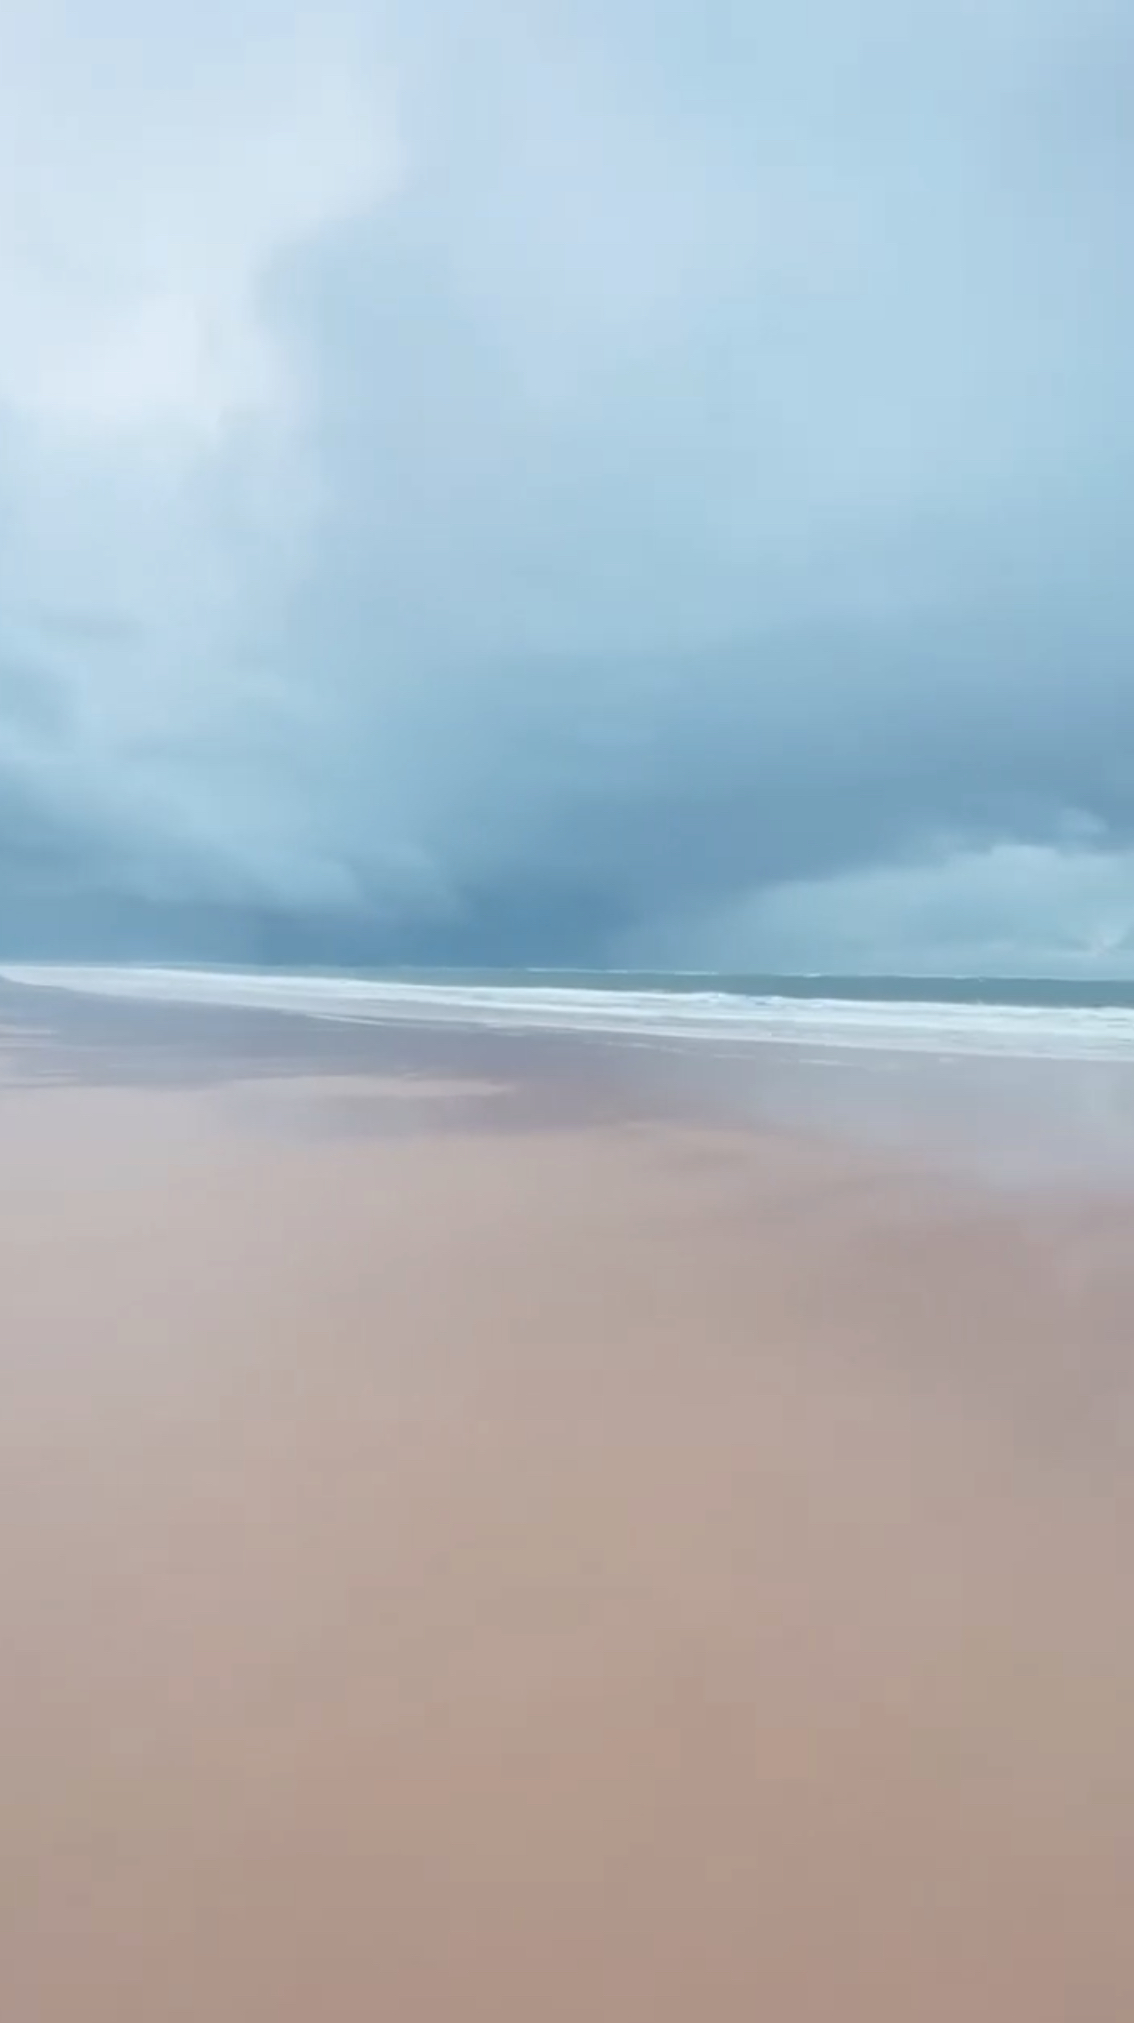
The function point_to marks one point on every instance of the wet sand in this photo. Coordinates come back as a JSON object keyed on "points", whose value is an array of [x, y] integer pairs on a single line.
{"points": [[485, 1534]]}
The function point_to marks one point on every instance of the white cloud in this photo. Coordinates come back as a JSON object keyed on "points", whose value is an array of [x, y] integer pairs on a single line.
{"points": [[158, 165], [154, 164], [1054, 909]]}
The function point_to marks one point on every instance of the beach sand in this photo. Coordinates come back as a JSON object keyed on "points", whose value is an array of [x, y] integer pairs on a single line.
{"points": [[483, 1539]]}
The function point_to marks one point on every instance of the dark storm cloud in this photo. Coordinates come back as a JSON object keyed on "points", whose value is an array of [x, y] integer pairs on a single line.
{"points": [[698, 468]]}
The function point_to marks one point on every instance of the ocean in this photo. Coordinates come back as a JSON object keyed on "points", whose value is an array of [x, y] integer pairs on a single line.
{"points": [[1021, 1017]]}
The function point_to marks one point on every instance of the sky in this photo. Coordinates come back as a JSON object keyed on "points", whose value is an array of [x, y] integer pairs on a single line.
{"points": [[601, 481]]}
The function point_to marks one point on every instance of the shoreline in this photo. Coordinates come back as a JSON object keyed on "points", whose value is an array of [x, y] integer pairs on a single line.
{"points": [[1056, 1125]]}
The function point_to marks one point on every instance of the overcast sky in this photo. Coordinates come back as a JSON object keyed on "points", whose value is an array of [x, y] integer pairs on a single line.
{"points": [[594, 480]]}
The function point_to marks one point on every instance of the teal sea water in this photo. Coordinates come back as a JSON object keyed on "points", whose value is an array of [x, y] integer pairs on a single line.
{"points": [[1031, 1018], [820, 987]]}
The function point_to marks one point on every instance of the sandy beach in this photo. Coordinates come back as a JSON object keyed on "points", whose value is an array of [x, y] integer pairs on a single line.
{"points": [[484, 1538]]}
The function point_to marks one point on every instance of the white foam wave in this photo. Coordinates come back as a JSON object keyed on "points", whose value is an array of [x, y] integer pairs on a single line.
{"points": [[1030, 1032]]}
